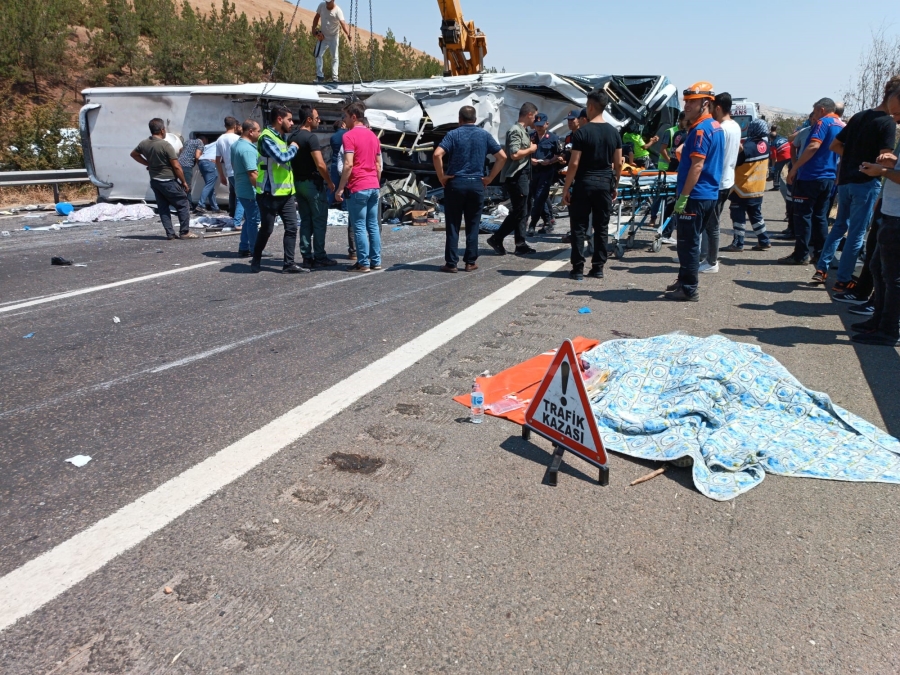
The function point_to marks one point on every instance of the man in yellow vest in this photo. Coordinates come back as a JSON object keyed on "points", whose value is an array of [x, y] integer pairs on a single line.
{"points": [[275, 189]]}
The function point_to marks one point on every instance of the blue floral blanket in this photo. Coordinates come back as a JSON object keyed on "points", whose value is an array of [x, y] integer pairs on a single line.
{"points": [[736, 411]]}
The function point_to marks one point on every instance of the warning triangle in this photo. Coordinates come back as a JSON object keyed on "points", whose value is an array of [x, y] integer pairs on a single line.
{"points": [[561, 412]]}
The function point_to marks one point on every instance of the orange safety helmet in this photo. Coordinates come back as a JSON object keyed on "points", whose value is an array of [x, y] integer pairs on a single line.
{"points": [[699, 90]]}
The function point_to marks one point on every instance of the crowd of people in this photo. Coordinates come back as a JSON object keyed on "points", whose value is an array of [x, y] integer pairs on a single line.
{"points": [[280, 171]]}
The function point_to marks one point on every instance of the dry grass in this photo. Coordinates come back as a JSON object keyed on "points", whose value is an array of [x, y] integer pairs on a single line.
{"points": [[43, 194]]}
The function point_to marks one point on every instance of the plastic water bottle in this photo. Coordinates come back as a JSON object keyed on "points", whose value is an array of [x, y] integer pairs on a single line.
{"points": [[477, 399]]}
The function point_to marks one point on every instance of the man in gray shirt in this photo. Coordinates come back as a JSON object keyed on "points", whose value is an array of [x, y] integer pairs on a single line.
{"points": [[516, 177], [166, 179]]}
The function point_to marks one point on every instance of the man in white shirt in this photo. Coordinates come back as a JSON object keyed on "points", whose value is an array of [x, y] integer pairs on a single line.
{"points": [[226, 172], [710, 243], [331, 18]]}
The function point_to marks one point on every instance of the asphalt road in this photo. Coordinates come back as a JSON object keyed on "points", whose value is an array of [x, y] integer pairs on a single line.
{"points": [[450, 556]]}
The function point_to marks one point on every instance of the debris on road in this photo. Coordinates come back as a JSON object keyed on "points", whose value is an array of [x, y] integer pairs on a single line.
{"points": [[60, 261], [79, 460], [5, 233], [649, 476], [64, 208], [116, 319], [168, 590], [30, 335], [584, 310]]}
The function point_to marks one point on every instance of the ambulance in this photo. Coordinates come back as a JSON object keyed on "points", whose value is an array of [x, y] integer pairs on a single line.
{"points": [[743, 112]]}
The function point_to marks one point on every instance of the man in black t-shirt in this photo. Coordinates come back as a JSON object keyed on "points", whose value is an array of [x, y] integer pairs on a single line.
{"points": [[311, 180], [591, 183], [868, 134]]}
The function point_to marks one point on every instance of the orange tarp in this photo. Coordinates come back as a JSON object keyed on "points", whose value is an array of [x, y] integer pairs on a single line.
{"points": [[522, 380]]}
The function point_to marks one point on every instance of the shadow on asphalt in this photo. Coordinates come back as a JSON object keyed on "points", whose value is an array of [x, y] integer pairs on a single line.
{"points": [[222, 254], [788, 336], [669, 268], [526, 450], [792, 308], [621, 295], [784, 287]]}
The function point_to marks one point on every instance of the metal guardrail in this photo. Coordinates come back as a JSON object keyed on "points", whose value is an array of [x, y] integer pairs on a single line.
{"points": [[54, 177]]}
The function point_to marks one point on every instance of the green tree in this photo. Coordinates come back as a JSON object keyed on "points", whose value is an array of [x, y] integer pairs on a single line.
{"points": [[176, 54], [33, 39]]}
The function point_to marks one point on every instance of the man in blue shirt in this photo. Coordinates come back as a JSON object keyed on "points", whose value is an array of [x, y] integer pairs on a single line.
{"points": [[544, 168], [812, 179], [466, 148], [697, 187]]}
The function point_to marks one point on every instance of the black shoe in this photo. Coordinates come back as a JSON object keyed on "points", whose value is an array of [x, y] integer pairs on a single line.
{"points": [[525, 249], [876, 338], [679, 295], [596, 272], [576, 275], [866, 309], [324, 262], [295, 269], [255, 266], [864, 326], [732, 248], [244, 254], [497, 246], [567, 238], [673, 287], [848, 297], [530, 231], [547, 229]]}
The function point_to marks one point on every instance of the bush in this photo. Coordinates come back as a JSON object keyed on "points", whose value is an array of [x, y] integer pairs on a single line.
{"points": [[38, 137]]}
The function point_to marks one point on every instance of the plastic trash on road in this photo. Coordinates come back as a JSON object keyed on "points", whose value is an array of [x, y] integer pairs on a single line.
{"points": [[79, 460], [64, 208], [584, 310]]}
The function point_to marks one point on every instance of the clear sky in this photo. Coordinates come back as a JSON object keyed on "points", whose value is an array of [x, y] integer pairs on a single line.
{"points": [[785, 53]]}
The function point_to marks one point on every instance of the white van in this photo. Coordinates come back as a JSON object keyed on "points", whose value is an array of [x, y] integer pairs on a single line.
{"points": [[743, 112]]}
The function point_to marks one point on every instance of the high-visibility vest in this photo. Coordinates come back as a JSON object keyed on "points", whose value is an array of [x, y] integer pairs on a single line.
{"points": [[277, 177]]}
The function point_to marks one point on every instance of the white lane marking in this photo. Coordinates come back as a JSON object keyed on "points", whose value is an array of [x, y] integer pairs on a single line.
{"points": [[94, 289], [103, 386], [39, 581]]}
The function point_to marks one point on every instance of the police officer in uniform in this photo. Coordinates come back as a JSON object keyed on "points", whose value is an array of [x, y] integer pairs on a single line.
{"points": [[544, 166]]}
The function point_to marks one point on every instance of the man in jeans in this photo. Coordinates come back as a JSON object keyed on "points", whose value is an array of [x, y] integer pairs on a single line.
{"points": [[223, 166], [516, 176], [311, 179], [868, 135], [884, 326], [697, 187], [591, 182], [465, 148], [362, 176], [166, 179], [275, 189], [245, 163], [812, 179]]}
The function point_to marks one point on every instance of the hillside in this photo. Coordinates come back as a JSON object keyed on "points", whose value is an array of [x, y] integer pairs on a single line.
{"points": [[259, 9]]}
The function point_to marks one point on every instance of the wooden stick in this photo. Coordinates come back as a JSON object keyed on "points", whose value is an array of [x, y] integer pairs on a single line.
{"points": [[649, 476]]}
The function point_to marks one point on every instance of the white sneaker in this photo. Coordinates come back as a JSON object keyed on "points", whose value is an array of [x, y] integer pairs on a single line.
{"points": [[670, 241], [705, 267]]}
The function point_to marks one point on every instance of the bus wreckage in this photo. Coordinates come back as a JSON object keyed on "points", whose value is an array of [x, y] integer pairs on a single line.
{"points": [[409, 116]]}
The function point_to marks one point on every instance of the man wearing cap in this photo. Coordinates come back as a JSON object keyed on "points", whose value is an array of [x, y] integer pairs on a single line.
{"points": [[516, 176], [812, 179], [699, 174], [544, 165]]}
